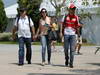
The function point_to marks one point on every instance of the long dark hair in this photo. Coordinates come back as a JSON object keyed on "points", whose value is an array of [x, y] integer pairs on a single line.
{"points": [[43, 9]]}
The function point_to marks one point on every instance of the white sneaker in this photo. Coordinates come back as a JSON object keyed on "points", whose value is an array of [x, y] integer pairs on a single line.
{"points": [[43, 64]]}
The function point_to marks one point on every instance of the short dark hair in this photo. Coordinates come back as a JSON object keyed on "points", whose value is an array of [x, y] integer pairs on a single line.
{"points": [[22, 9]]}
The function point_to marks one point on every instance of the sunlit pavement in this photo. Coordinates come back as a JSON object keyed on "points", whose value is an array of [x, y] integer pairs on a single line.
{"points": [[85, 64]]}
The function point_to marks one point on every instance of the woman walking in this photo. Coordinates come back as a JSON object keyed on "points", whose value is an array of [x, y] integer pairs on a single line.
{"points": [[43, 32]]}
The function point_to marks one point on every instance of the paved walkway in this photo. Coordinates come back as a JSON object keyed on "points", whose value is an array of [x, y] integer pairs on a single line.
{"points": [[86, 64]]}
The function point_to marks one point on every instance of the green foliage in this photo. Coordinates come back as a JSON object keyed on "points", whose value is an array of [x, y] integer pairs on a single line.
{"points": [[84, 15], [86, 3], [94, 3], [5, 36], [84, 40], [99, 2], [3, 18], [33, 9]]}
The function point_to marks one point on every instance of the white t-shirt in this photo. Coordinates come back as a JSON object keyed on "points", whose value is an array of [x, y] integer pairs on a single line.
{"points": [[69, 31], [23, 27]]}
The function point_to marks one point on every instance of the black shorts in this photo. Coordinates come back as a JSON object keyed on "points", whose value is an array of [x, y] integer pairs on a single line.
{"points": [[53, 35]]}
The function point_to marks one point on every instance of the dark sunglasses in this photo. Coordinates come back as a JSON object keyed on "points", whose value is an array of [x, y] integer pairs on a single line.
{"points": [[72, 8], [43, 12]]}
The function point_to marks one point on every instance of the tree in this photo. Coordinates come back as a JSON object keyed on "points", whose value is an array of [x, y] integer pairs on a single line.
{"points": [[33, 9], [57, 4], [3, 17], [94, 2], [86, 3]]}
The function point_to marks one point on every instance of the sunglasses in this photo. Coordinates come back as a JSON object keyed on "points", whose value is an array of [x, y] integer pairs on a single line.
{"points": [[72, 8], [43, 11]]}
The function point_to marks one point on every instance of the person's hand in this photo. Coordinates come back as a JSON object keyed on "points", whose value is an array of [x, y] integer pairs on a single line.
{"points": [[13, 36], [36, 36], [33, 38], [79, 39], [81, 25], [61, 35]]}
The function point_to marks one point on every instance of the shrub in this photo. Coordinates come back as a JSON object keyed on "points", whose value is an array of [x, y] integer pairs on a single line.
{"points": [[5, 37], [84, 40]]}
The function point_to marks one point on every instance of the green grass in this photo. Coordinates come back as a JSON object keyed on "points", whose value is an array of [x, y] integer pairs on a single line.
{"points": [[13, 42], [5, 42], [88, 44], [38, 43]]}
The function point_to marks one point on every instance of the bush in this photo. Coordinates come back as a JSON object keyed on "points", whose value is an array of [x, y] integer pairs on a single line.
{"points": [[84, 40], [5, 37]]}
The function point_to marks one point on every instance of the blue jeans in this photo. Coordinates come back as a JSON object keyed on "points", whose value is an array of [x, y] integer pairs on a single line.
{"points": [[23, 41], [69, 44], [46, 43]]}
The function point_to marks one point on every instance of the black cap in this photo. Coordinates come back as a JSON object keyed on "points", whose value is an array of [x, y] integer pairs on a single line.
{"points": [[22, 9]]}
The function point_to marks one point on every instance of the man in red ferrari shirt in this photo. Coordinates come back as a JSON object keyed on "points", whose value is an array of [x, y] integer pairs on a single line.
{"points": [[69, 28]]}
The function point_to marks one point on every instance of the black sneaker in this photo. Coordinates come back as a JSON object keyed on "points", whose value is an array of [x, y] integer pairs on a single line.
{"points": [[66, 63], [79, 53], [29, 62], [71, 66], [20, 64], [43, 64], [49, 63]]}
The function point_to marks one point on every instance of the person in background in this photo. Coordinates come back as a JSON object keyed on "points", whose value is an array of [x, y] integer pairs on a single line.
{"points": [[24, 35], [69, 28], [54, 34], [43, 32], [79, 39]]}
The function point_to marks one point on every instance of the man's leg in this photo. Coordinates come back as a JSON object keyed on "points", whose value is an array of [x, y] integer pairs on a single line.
{"points": [[28, 50], [66, 48], [21, 51], [72, 49]]}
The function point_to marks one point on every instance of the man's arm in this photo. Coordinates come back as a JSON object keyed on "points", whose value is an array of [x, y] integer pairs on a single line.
{"points": [[61, 30], [33, 32], [13, 32], [38, 30], [62, 26]]}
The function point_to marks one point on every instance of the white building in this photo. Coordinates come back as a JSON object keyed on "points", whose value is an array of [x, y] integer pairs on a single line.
{"points": [[11, 11]]}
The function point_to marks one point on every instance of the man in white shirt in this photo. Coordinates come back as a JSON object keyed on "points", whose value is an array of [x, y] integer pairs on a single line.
{"points": [[25, 28]]}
